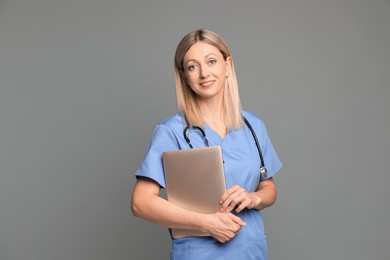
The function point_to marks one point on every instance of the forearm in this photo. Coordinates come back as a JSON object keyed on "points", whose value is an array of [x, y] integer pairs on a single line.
{"points": [[162, 212], [265, 195], [147, 204]]}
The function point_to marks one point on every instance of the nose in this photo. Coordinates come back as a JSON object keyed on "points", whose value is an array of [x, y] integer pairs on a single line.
{"points": [[204, 72]]}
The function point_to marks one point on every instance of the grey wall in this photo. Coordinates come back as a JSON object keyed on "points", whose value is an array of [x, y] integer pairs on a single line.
{"points": [[84, 82]]}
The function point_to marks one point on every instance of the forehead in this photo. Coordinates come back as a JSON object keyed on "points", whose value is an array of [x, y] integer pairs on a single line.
{"points": [[200, 50]]}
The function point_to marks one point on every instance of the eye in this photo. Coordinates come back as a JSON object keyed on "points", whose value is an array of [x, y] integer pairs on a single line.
{"points": [[192, 67], [212, 61]]}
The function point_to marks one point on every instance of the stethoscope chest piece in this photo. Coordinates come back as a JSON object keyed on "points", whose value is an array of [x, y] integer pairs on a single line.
{"points": [[263, 172]]}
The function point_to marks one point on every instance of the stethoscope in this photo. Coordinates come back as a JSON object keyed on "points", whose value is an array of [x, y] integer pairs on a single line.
{"points": [[263, 170]]}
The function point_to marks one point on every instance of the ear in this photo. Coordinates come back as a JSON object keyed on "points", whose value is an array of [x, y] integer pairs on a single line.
{"points": [[228, 66]]}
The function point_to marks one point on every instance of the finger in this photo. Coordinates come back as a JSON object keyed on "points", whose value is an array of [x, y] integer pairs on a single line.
{"points": [[243, 205], [235, 197], [237, 220], [231, 202], [237, 202], [227, 200], [227, 193]]}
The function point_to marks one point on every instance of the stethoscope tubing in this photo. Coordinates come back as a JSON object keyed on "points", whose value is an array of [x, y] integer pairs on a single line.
{"points": [[188, 139], [263, 170]]}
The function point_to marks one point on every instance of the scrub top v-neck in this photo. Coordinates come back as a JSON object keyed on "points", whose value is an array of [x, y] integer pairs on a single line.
{"points": [[242, 167]]}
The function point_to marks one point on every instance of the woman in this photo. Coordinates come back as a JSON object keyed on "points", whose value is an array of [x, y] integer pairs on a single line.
{"points": [[207, 96]]}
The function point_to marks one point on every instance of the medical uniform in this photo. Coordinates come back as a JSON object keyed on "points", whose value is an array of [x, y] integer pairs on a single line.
{"points": [[242, 167]]}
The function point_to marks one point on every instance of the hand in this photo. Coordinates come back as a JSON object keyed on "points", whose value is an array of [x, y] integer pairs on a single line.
{"points": [[238, 196], [223, 226]]}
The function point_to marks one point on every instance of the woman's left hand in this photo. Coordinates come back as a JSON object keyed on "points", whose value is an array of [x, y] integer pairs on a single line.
{"points": [[238, 196]]}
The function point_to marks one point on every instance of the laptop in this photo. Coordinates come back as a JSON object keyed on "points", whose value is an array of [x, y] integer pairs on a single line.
{"points": [[195, 181]]}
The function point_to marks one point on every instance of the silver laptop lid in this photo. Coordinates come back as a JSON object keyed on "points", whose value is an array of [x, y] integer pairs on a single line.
{"points": [[195, 181]]}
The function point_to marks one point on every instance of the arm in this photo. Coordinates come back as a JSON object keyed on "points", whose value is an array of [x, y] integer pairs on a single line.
{"points": [[147, 204], [263, 197]]}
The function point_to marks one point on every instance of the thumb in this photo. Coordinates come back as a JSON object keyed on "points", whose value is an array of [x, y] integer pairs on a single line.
{"points": [[238, 220]]}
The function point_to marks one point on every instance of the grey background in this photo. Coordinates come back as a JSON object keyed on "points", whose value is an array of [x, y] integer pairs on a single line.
{"points": [[84, 82]]}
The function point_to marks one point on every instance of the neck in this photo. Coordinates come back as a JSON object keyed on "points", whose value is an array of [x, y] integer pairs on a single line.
{"points": [[213, 115], [212, 110]]}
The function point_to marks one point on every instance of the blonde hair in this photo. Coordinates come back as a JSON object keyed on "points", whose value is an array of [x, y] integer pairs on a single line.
{"points": [[186, 97]]}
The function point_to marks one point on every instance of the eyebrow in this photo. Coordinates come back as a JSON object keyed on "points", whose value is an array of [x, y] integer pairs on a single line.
{"points": [[204, 56]]}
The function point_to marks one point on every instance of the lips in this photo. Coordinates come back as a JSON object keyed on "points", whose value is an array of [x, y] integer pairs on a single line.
{"points": [[207, 83]]}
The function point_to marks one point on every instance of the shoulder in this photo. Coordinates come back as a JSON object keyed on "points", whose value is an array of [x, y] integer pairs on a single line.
{"points": [[166, 132], [174, 122], [253, 119]]}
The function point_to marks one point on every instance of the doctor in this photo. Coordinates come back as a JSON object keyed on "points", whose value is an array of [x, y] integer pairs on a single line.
{"points": [[207, 95]]}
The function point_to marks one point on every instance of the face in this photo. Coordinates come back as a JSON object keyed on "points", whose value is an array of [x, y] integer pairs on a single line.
{"points": [[205, 70]]}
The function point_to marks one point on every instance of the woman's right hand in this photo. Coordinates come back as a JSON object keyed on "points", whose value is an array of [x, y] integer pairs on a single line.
{"points": [[147, 204], [223, 226]]}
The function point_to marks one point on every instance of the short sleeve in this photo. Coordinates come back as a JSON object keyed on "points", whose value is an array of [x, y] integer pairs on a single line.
{"points": [[152, 166], [271, 159]]}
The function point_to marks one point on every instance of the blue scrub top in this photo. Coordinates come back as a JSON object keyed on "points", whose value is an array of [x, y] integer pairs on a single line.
{"points": [[242, 167]]}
